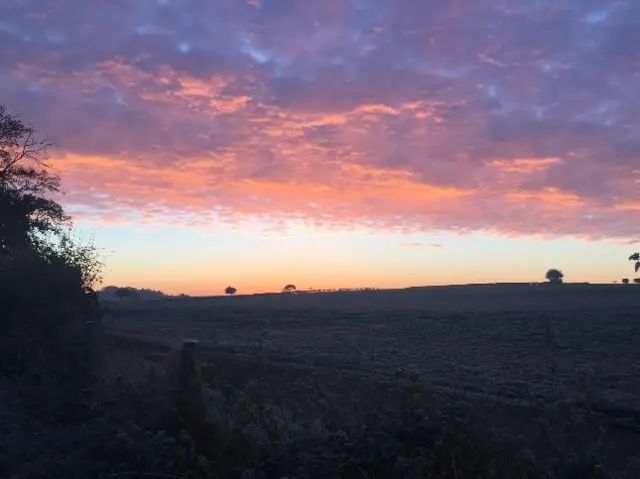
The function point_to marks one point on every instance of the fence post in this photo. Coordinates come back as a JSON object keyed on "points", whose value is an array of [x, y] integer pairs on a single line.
{"points": [[191, 404]]}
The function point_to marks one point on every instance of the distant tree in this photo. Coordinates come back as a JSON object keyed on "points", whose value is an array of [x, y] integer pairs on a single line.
{"points": [[636, 280], [625, 280], [109, 289], [109, 292], [127, 293], [230, 291], [290, 288], [554, 276], [635, 257]]}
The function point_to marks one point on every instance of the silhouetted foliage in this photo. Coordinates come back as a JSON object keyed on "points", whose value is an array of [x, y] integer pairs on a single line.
{"points": [[82, 258], [290, 288], [127, 293], [25, 182], [112, 293], [45, 275], [625, 280], [44, 308], [636, 280], [554, 276], [635, 257], [230, 291]]}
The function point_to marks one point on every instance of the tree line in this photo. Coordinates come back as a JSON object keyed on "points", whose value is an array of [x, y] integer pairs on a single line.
{"points": [[110, 293]]}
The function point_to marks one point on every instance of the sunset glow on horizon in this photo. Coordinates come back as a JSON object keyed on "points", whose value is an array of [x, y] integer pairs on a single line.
{"points": [[340, 143]]}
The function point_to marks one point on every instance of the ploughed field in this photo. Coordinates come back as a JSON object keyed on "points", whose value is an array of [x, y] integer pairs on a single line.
{"points": [[517, 344]]}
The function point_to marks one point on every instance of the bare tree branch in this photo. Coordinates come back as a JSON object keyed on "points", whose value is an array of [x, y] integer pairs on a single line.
{"points": [[25, 182], [23, 157]]}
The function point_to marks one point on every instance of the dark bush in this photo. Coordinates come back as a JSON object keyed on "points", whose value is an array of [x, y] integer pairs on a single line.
{"points": [[46, 309]]}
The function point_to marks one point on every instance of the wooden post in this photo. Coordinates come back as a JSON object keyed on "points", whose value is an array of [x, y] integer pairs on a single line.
{"points": [[191, 403]]}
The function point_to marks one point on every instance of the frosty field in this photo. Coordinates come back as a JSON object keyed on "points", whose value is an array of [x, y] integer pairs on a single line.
{"points": [[515, 343]]}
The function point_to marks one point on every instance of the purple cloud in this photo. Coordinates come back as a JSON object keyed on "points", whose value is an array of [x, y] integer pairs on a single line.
{"points": [[403, 114]]}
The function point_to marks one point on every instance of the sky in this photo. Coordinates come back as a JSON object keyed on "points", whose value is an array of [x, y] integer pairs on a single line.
{"points": [[337, 143]]}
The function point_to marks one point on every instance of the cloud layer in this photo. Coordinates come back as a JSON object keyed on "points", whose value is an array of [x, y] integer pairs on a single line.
{"points": [[515, 117]]}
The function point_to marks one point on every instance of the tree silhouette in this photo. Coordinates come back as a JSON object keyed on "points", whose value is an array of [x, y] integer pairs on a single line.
{"points": [[47, 303], [635, 257], [127, 292], [26, 186], [230, 291], [625, 280], [554, 276], [290, 288]]}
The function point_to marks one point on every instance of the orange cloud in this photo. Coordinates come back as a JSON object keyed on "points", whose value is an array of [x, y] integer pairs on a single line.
{"points": [[116, 191], [628, 206], [524, 165], [186, 149], [549, 196]]}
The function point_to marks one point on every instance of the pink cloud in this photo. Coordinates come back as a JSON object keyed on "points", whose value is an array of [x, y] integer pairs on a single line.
{"points": [[395, 117]]}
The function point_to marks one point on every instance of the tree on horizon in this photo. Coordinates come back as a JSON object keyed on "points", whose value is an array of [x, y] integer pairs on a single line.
{"points": [[635, 257], [290, 288], [127, 292], [554, 276], [230, 291]]}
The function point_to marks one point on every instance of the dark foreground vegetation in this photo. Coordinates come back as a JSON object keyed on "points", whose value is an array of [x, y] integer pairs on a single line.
{"points": [[78, 401]]}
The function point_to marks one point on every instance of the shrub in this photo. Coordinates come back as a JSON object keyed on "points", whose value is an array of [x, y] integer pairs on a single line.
{"points": [[43, 334]]}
